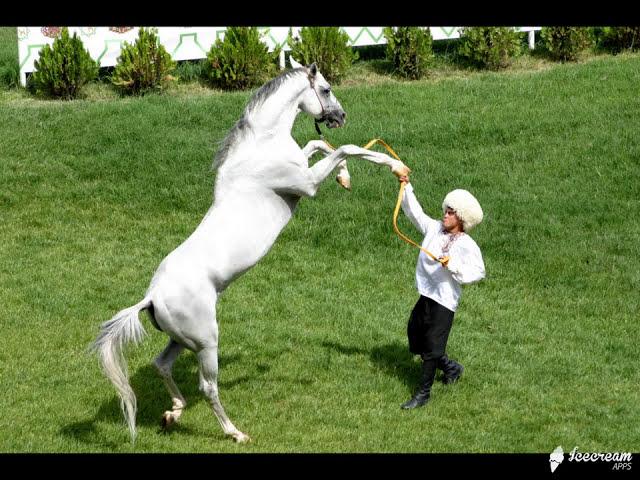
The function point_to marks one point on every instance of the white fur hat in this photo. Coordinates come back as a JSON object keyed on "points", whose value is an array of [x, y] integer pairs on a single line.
{"points": [[466, 207]]}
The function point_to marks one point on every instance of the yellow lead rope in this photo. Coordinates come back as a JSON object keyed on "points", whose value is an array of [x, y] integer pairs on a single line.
{"points": [[443, 260]]}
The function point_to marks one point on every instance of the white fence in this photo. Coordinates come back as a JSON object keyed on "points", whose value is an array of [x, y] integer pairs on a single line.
{"points": [[188, 43]]}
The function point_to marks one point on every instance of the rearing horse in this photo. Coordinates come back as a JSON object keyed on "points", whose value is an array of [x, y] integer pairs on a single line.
{"points": [[262, 174]]}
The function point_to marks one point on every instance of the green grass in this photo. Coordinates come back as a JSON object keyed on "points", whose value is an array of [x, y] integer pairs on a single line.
{"points": [[313, 354], [9, 68]]}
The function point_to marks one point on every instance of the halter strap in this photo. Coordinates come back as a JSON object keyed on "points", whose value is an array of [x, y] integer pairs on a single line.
{"points": [[316, 121]]}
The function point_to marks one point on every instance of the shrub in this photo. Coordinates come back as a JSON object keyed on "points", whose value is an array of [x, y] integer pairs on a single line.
{"points": [[240, 61], [144, 66], [327, 47], [9, 75], [190, 70], [410, 50], [9, 67], [566, 43], [489, 47], [617, 39], [63, 68]]}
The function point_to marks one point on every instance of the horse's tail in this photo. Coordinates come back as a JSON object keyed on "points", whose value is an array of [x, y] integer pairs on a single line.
{"points": [[114, 335]]}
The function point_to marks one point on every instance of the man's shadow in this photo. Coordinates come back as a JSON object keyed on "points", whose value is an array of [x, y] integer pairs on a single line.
{"points": [[394, 359]]}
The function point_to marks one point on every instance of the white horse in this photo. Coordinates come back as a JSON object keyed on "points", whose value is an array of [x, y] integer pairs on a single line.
{"points": [[261, 175]]}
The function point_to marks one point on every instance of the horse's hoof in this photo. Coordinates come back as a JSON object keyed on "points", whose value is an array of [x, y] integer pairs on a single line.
{"points": [[168, 419], [240, 437], [344, 182], [401, 171]]}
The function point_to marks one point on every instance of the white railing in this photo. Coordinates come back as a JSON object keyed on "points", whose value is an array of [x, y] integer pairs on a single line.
{"points": [[188, 43]]}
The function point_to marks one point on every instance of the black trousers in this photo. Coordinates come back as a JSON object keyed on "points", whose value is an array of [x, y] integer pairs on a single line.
{"points": [[428, 328]]}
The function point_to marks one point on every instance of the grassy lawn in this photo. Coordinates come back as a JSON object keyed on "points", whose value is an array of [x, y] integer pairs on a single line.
{"points": [[313, 352]]}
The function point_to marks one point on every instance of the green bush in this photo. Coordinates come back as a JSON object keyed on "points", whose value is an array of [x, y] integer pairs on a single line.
{"points": [[144, 66], [409, 49], [9, 67], [566, 43], [327, 47], [489, 47], [240, 61], [190, 70], [63, 68], [9, 75], [617, 39]]}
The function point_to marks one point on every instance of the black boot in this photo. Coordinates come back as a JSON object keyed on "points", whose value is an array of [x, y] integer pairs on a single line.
{"points": [[422, 395], [451, 369]]}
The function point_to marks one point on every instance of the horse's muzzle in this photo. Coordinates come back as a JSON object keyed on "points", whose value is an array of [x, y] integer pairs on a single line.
{"points": [[334, 118]]}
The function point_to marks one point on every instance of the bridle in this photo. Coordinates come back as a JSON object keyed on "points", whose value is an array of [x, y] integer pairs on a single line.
{"points": [[324, 114]]}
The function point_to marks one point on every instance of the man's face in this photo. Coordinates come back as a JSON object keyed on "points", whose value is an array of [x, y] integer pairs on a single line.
{"points": [[451, 221]]}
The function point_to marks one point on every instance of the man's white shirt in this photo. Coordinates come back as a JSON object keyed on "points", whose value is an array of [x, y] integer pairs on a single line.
{"points": [[465, 259]]}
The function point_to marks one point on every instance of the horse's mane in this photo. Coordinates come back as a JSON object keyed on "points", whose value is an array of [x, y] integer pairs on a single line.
{"points": [[238, 131]]}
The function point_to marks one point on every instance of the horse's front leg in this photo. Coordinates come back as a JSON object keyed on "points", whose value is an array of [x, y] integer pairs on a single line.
{"points": [[314, 146], [343, 177], [323, 167]]}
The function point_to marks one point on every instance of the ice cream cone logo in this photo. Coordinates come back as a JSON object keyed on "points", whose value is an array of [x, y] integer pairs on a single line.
{"points": [[556, 458]]}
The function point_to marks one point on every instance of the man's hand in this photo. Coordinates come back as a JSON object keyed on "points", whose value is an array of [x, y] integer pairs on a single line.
{"points": [[403, 179], [444, 261]]}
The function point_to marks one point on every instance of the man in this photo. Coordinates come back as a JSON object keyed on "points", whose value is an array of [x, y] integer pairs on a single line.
{"points": [[458, 262]]}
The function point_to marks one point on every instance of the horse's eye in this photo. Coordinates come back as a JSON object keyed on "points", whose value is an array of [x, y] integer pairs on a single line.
{"points": [[326, 91]]}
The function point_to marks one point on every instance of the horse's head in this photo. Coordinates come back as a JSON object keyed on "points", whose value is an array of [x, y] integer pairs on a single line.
{"points": [[318, 100]]}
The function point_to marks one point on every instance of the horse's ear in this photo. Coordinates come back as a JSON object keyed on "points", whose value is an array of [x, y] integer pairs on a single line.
{"points": [[293, 63], [313, 69]]}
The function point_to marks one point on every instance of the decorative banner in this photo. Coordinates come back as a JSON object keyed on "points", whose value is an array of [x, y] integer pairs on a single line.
{"points": [[187, 43]]}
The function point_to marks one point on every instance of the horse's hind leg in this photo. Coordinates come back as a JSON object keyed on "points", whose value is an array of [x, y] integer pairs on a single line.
{"points": [[163, 364], [188, 316], [208, 359]]}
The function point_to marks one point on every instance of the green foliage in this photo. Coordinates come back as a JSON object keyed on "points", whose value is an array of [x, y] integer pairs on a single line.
{"points": [[9, 76], [410, 50], [489, 47], [144, 66], [566, 43], [63, 68], [240, 61], [617, 39], [190, 70], [327, 47], [9, 68]]}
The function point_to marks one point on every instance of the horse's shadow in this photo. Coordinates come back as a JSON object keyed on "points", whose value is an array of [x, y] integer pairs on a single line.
{"points": [[152, 399], [393, 359]]}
